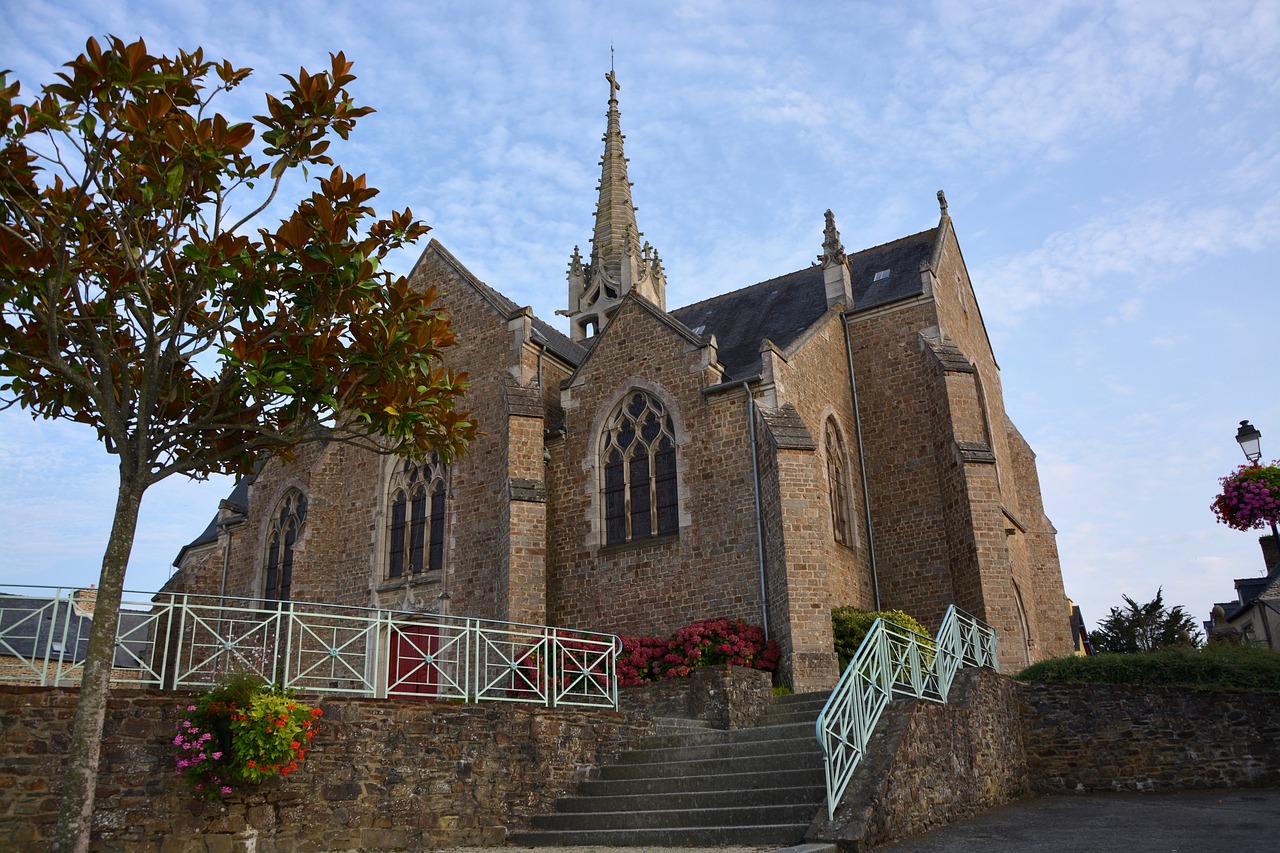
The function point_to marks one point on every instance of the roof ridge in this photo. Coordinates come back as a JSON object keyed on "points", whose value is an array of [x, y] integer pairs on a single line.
{"points": [[893, 242], [776, 278]]}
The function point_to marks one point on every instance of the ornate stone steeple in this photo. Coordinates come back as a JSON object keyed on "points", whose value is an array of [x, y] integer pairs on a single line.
{"points": [[618, 263]]}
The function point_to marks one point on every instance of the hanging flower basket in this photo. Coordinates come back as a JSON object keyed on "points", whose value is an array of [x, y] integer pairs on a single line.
{"points": [[242, 732], [1250, 497]]}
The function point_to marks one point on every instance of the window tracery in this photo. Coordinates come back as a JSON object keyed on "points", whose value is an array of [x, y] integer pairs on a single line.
{"points": [[638, 459], [286, 529], [838, 486], [416, 519]]}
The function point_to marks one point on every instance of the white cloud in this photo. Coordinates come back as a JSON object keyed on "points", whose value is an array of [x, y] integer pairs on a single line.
{"points": [[1139, 243]]}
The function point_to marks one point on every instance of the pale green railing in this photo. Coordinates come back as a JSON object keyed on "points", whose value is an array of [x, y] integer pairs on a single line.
{"points": [[893, 661], [170, 641]]}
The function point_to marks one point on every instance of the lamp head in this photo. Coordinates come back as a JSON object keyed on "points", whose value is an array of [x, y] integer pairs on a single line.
{"points": [[1250, 441]]}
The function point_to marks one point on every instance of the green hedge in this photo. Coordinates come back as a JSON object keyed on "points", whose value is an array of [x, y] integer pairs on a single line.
{"points": [[1216, 667], [849, 626]]}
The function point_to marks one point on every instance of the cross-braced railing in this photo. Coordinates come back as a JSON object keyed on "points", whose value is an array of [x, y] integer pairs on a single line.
{"points": [[894, 661], [187, 641]]}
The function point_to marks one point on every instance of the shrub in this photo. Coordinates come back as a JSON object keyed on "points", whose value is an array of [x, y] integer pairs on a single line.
{"points": [[849, 627], [1219, 666], [704, 643]]}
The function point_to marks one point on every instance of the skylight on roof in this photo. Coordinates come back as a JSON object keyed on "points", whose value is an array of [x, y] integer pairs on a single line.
{"points": [[699, 330], [881, 276]]}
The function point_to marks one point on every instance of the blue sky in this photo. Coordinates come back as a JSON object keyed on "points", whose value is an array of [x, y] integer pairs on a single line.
{"points": [[1112, 169]]}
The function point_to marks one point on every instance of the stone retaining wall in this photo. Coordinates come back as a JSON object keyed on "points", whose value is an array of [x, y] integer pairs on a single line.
{"points": [[727, 697], [384, 775], [1103, 737], [928, 765]]}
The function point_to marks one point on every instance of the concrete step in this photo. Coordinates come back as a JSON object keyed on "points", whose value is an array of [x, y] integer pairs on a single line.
{"points": [[797, 731], [708, 766], [804, 708], [735, 748], [755, 835], [806, 794], [748, 781], [802, 700], [671, 819], [780, 719], [691, 785], [679, 725]]}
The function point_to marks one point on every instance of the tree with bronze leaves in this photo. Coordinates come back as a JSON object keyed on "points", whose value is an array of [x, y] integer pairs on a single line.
{"points": [[138, 298]]}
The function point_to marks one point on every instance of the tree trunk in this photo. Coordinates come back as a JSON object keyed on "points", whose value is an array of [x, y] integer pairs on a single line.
{"points": [[76, 810]]}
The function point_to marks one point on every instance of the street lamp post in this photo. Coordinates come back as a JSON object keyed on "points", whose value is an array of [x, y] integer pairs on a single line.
{"points": [[1250, 441]]}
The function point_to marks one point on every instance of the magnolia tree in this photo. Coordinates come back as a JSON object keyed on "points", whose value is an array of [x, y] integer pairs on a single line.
{"points": [[139, 296]]}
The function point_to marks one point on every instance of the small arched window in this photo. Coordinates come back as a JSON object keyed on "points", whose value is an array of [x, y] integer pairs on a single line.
{"points": [[285, 530], [638, 458], [415, 533], [838, 486]]}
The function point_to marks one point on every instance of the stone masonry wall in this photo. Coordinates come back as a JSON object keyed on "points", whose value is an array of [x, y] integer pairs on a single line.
{"points": [[653, 586], [929, 765], [1102, 737], [727, 697], [907, 497], [383, 775]]}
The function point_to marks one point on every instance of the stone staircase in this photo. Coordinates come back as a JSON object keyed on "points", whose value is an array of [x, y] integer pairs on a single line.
{"points": [[698, 786]]}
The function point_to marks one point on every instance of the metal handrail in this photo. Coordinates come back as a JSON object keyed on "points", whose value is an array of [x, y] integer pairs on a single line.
{"points": [[186, 641], [893, 660]]}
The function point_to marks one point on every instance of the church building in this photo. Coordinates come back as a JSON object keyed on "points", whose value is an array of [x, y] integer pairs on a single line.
{"points": [[834, 435]]}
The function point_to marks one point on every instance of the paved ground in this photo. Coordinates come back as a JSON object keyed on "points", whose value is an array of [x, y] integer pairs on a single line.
{"points": [[1199, 821]]}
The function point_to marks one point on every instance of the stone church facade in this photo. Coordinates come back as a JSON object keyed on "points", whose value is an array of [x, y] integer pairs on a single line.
{"points": [[835, 435]]}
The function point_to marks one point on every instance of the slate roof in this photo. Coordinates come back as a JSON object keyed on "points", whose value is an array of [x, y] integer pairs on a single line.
{"points": [[782, 308], [779, 309], [240, 497], [30, 626], [901, 258], [1250, 590], [543, 332]]}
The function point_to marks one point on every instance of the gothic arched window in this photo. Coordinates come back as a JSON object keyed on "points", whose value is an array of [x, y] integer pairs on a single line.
{"points": [[286, 528], [838, 486], [638, 458], [415, 532]]}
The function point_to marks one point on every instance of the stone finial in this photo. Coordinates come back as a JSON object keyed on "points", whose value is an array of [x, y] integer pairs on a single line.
{"points": [[942, 202], [835, 267], [613, 86], [832, 249]]}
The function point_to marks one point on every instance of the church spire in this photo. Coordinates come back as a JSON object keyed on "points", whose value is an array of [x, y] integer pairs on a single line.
{"points": [[618, 263]]}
